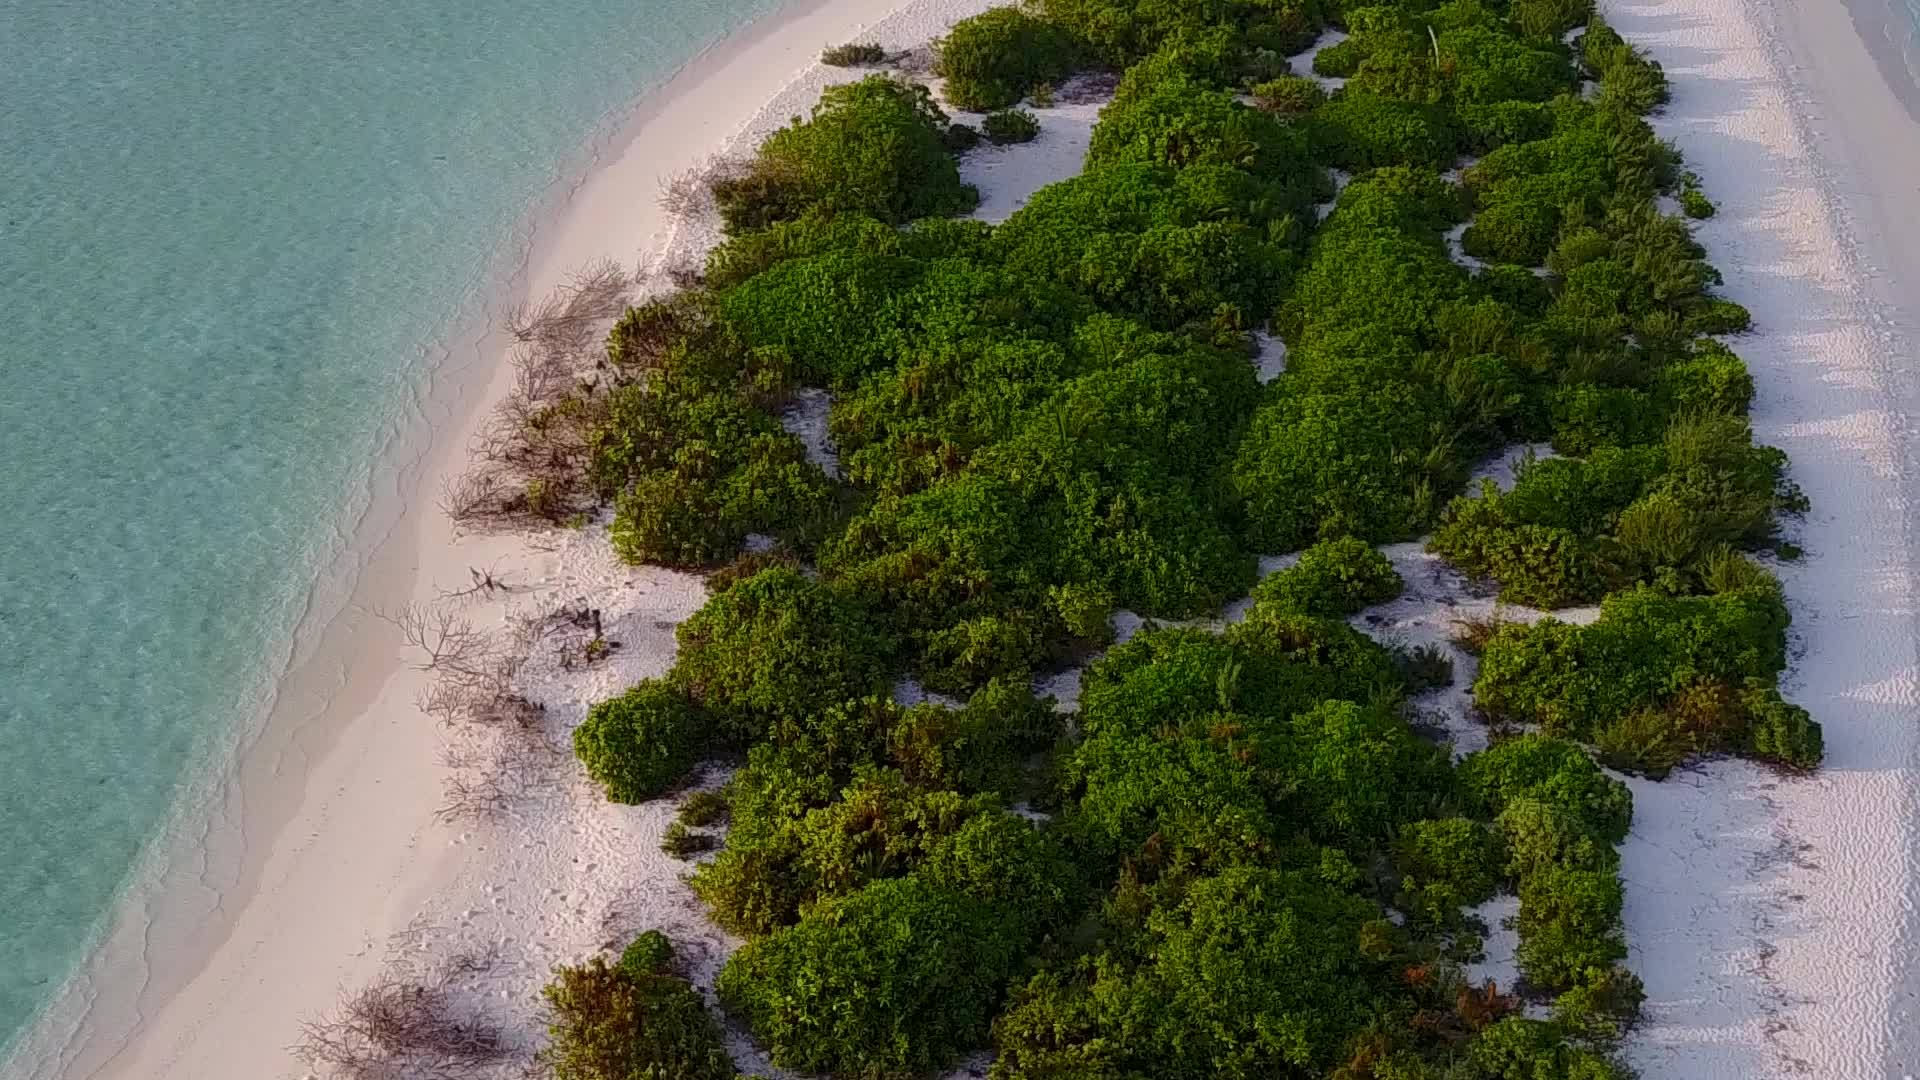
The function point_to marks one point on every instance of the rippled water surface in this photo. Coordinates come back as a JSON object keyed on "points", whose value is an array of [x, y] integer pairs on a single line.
{"points": [[230, 235]]}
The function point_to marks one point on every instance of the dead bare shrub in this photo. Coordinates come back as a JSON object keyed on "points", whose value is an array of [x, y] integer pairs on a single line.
{"points": [[1087, 88], [401, 1028], [1473, 632], [532, 452]]}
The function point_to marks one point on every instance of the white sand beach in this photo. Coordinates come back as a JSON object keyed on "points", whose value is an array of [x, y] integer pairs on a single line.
{"points": [[1772, 919], [1769, 916]]}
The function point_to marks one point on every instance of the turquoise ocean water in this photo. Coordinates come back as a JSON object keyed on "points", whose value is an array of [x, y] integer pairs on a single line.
{"points": [[232, 233]]}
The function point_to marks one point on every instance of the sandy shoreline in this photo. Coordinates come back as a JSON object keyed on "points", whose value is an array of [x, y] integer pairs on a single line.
{"points": [[1767, 916]]}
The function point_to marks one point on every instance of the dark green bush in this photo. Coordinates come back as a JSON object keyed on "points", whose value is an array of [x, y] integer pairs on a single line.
{"points": [[775, 648], [682, 842], [1518, 1048], [994, 59], [610, 1023], [1011, 126], [1179, 122], [1359, 130], [639, 745], [1247, 955], [960, 138], [702, 808], [649, 954], [1554, 771], [898, 978], [1316, 465], [854, 54], [1695, 203], [1444, 864], [1289, 95], [873, 147], [1782, 732]]}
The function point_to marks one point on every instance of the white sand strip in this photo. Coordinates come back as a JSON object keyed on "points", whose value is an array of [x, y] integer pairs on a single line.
{"points": [[1771, 917]]}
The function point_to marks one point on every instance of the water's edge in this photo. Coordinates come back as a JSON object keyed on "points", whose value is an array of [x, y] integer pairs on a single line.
{"points": [[178, 902]]}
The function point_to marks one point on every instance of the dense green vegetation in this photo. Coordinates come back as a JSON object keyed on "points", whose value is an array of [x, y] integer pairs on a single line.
{"points": [[1247, 863]]}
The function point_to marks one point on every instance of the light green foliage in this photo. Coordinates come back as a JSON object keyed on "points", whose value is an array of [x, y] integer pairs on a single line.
{"points": [[1558, 814], [1553, 771], [1780, 731], [631, 1021], [1174, 120], [872, 147], [994, 59], [1333, 578], [1520, 1049], [639, 745]]}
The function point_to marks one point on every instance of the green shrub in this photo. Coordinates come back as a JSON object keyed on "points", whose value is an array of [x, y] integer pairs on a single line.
{"points": [[1782, 732], [671, 520], [1246, 955], [960, 138], [1424, 667], [1569, 926], [873, 147], [1010, 126], [1340, 60], [994, 59], [639, 745], [649, 954], [1179, 122], [609, 1023], [1537, 834], [1646, 741], [1517, 1047], [1325, 464], [1555, 772], [1444, 865], [703, 808], [898, 978], [682, 842], [1289, 95], [1359, 130], [1333, 578], [1694, 201], [854, 54], [1646, 650], [777, 647]]}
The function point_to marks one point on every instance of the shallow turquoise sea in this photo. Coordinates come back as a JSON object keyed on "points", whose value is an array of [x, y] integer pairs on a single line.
{"points": [[232, 236]]}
